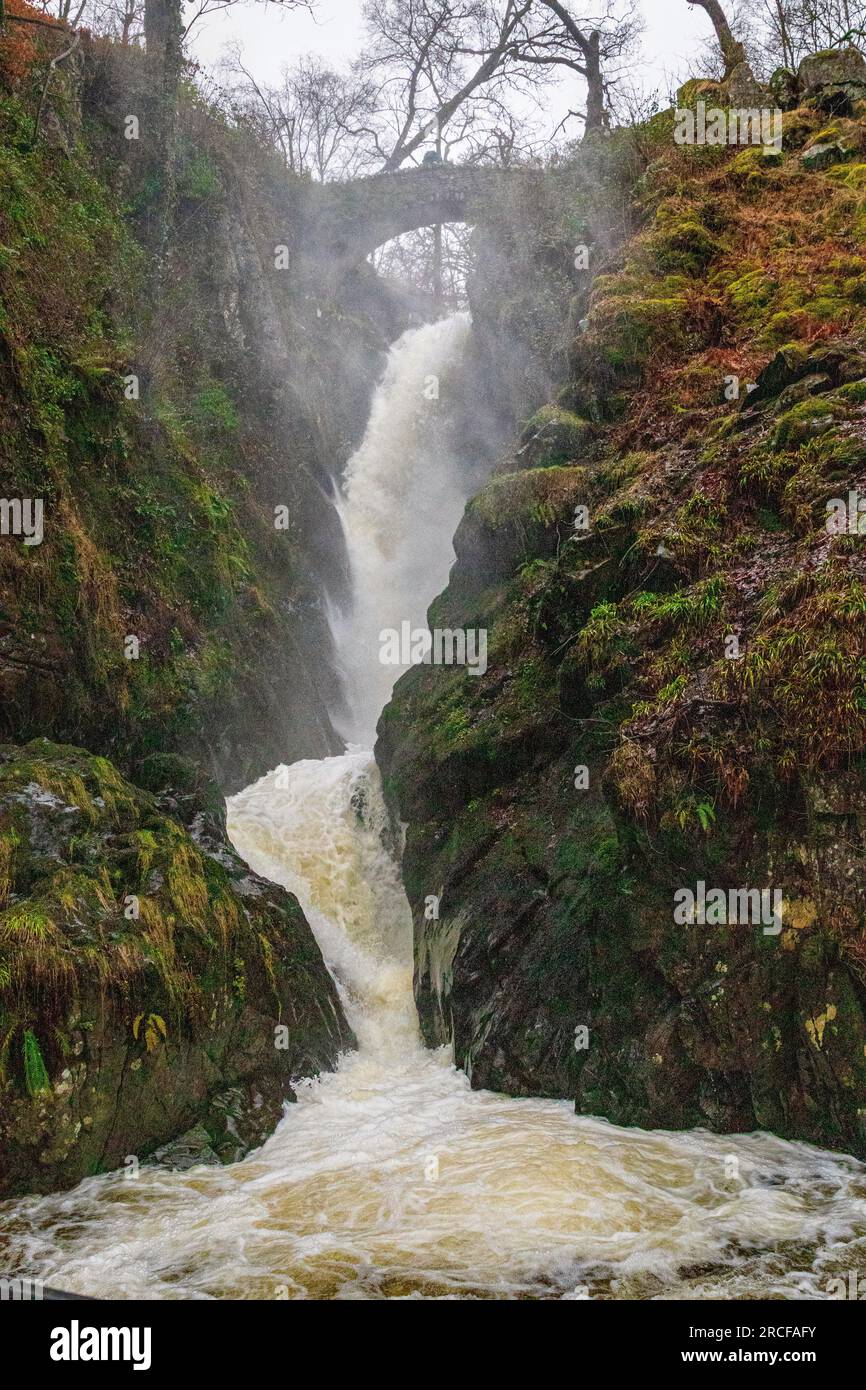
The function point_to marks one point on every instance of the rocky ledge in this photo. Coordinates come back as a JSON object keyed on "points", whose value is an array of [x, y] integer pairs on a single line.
{"points": [[150, 983]]}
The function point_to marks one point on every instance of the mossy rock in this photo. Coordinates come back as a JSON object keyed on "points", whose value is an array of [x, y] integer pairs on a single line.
{"points": [[853, 176], [812, 385], [700, 89], [833, 79], [787, 365], [819, 156], [750, 166], [138, 959], [630, 330], [784, 88], [799, 127], [553, 436], [682, 243], [805, 421]]}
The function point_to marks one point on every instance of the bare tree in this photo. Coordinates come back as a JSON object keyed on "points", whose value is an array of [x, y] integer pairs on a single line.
{"points": [[122, 19], [435, 58], [117, 19], [595, 46], [318, 118], [440, 273], [733, 51], [818, 24], [780, 33], [199, 9], [432, 58]]}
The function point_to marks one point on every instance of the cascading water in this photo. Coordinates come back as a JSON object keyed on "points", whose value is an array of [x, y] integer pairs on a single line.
{"points": [[391, 1177], [402, 497]]}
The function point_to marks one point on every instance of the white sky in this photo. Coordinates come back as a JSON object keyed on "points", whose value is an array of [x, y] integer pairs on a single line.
{"points": [[271, 38]]}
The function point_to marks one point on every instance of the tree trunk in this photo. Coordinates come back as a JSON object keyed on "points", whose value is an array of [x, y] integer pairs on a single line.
{"points": [[161, 19], [438, 294], [732, 51], [163, 33], [438, 289], [595, 115]]}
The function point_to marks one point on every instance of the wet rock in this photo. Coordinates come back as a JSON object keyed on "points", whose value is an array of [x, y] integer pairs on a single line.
{"points": [[189, 1150], [146, 974]]}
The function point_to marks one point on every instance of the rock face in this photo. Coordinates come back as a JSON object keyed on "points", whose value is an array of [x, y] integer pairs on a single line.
{"points": [[833, 80], [185, 461], [674, 694], [743, 89], [149, 981]]}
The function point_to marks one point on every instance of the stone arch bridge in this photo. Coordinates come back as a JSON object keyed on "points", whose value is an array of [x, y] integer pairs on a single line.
{"points": [[344, 222]]}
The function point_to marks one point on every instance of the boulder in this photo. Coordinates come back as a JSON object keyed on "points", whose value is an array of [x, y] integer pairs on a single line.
{"points": [[743, 89], [833, 80], [554, 435], [785, 89], [823, 156]]}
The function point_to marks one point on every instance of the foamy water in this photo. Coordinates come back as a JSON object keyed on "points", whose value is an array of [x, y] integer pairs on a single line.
{"points": [[390, 1177]]}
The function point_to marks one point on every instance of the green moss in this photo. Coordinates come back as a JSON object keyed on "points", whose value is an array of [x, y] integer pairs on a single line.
{"points": [[556, 436], [542, 496], [801, 423], [750, 295], [850, 176], [681, 243]]}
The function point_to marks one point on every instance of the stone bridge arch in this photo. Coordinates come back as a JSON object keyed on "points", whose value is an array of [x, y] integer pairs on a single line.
{"points": [[344, 222]]}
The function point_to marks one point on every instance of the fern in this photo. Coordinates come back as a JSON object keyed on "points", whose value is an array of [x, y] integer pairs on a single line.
{"points": [[154, 1026], [35, 1072]]}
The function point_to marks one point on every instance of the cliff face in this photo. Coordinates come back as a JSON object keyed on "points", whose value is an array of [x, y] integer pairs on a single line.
{"points": [[149, 981], [177, 420], [181, 422], [676, 682]]}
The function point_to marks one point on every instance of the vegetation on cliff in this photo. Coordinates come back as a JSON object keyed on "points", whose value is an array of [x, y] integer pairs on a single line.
{"points": [[166, 413], [167, 603], [696, 646], [149, 980]]}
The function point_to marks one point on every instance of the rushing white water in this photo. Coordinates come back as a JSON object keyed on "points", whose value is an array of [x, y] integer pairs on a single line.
{"points": [[402, 497], [390, 1177]]}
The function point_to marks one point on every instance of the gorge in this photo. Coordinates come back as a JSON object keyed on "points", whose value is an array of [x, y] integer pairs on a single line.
{"points": [[324, 979], [390, 1177]]}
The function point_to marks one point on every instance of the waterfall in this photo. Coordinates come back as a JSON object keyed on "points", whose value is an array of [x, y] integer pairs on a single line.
{"points": [[402, 497], [390, 1177], [319, 828]]}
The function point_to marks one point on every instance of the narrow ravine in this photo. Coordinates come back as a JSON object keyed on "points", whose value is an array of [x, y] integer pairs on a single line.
{"points": [[391, 1177]]}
